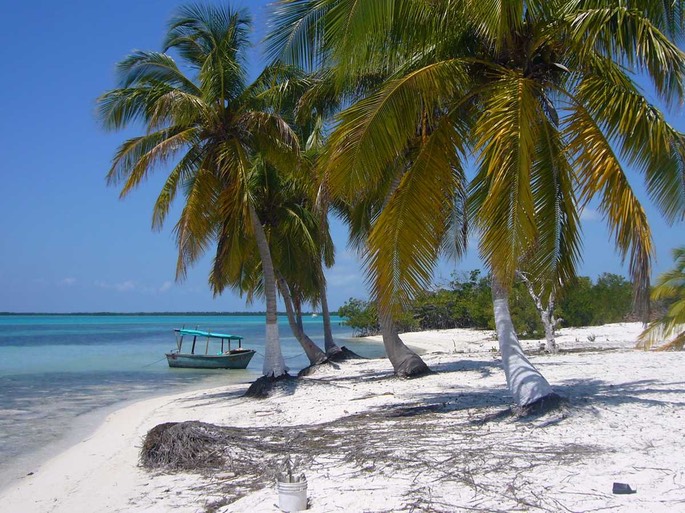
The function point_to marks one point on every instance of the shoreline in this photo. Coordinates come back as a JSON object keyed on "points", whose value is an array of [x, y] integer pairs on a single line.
{"points": [[622, 424], [84, 425]]}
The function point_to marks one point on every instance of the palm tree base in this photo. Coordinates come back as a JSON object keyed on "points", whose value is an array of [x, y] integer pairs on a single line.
{"points": [[545, 404], [263, 387], [344, 354], [412, 367]]}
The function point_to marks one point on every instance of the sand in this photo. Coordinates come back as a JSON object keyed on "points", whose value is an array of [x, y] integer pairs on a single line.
{"points": [[445, 442]]}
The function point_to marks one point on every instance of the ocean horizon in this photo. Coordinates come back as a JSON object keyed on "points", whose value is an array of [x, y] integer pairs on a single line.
{"points": [[60, 373]]}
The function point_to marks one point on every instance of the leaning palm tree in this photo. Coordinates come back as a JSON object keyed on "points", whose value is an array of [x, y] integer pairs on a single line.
{"points": [[302, 99], [293, 232], [205, 126], [538, 96], [324, 99], [668, 330]]}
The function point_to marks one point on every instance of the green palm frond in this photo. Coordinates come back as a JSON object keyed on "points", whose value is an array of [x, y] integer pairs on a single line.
{"points": [[139, 155], [117, 108], [375, 131], [625, 34], [195, 229], [669, 330], [297, 34], [147, 69], [557, 250], [506, 138], [645, 139], [235, 264], [182, 173], [600, 172], [410, 230], [497, 21]]}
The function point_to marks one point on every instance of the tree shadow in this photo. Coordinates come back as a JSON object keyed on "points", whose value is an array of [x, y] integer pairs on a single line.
{"points": [[597, 391], [484, 367]]}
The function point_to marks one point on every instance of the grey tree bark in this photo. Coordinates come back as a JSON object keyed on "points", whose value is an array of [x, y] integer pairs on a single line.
{"points": [[549, 323], [274, 365], [315, 355], [526, 384]]}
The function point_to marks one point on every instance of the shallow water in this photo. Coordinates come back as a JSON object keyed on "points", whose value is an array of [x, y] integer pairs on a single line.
{"points": [[56, 370]]}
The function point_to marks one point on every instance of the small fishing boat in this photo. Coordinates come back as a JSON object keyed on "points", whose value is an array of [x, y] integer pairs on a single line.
{"points": [[227, 358]]}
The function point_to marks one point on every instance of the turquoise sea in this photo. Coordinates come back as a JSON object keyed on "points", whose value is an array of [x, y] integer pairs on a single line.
{"points": [[60, 374]]}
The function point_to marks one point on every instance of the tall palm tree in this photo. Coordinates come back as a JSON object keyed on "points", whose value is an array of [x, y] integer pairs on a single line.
{"points": [[325, 99], [539, 95], [293, 234], [668, 330], [205, 126], [304, 100]]}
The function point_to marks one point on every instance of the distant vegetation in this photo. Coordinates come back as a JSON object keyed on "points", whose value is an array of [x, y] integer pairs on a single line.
{"points": [[466, 302]]}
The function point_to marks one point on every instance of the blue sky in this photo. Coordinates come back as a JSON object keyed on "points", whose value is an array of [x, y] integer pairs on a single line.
{"points": [[68, 243]]}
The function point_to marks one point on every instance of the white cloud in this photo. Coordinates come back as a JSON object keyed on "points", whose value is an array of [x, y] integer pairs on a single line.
{"points": [[590, 214], [340, 279], [165, 286], [123, 286], [68, 282]]}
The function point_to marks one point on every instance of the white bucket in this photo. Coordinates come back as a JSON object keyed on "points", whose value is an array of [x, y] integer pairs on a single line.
{"points": [[292, 496]]}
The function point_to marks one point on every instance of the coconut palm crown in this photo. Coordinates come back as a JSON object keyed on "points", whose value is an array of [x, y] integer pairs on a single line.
{"points": [[539, 96], [206, 124]]}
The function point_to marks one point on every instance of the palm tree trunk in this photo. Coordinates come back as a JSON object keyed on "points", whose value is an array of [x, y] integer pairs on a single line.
{"points": [[297, 306], [329, 344], [406, 362], [274, 365], [525, 382], [316, 356]]}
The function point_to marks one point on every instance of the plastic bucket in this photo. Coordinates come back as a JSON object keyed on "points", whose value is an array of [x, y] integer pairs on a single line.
{"points": [[292, 496]]}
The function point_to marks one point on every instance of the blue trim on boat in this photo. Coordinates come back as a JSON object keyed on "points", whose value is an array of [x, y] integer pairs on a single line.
{"points": [[198, 333]]}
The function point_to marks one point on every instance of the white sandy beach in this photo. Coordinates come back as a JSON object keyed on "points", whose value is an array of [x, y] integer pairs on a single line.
{"points": [[445, 442]]}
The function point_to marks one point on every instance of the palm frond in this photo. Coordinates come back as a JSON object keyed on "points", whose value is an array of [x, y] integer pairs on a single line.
{"points": [[600, 172], [179, 175], [625, 34], [147, 69], [557, 250], [196, 227], [297, 33], [137, 156], [503, 205], [644, 137], [375, 131], [405, 240]]}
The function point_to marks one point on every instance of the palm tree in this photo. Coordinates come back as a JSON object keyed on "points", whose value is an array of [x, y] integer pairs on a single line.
{"points": [[671, 326], [304, 100], [293, 233], [205, 125], [325, 99], [538, 96]]}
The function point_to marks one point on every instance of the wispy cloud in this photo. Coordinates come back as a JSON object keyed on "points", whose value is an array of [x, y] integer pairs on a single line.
{"points": [[590, 214], [134, 286], [123, 286], [68, 282]]}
